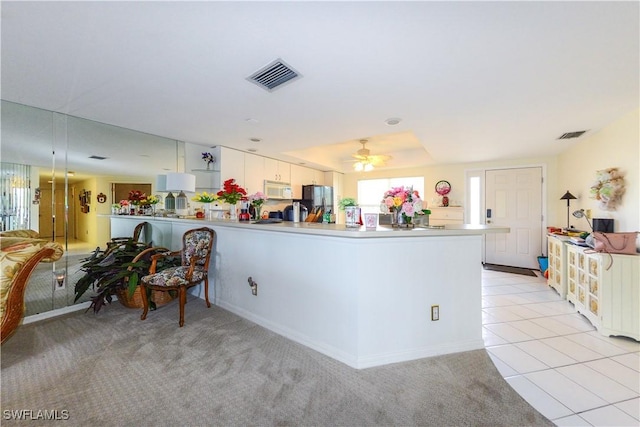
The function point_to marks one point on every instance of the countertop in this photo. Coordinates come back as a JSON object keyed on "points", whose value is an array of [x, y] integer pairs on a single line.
{"points": [[336, 230]]}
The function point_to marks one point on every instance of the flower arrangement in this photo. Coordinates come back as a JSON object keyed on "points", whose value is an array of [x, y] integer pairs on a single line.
{"points": [[123, 203], [257, 199], [204, 197], [136, 197], [231, 192], [404, 200], [152, 200], [208, 158]]}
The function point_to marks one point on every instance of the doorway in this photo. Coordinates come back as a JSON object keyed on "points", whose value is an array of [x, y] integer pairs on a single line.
{"points": [[47, 221], [513, 198]]}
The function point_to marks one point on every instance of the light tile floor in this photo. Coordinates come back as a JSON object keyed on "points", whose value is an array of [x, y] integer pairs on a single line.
{"points": [[554, 358]]}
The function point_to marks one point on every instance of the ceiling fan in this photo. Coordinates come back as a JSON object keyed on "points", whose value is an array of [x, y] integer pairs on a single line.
{"points": [[365, 161]]}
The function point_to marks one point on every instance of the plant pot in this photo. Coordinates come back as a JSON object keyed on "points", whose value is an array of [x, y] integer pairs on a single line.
{"points": [[160, 298]]}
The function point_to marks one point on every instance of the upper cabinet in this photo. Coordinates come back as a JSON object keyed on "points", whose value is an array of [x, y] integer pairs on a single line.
{"points": [[301, 175], [249, 170], [254, 174], [275, 170], [232, 165]]}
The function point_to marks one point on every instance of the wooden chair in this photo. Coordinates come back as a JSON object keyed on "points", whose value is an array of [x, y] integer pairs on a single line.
{"points": [[116, 241], [196, 250]]}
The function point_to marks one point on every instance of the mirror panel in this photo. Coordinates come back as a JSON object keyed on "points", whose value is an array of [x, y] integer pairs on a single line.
{"points": [[52, 145]]}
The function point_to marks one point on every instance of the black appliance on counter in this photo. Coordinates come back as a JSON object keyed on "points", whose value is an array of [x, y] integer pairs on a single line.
{"points": [[275, 215], [316, 197], [287, 214]]}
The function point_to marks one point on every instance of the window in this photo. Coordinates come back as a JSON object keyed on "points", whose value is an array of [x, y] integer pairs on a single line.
{"points": [[370, 191]]}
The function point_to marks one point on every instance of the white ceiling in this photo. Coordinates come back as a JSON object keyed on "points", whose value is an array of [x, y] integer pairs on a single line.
{"points": [[471, 81]]}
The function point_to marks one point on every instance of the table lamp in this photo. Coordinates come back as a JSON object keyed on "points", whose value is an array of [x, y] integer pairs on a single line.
{"points": [[568, 197], [181, 182]]}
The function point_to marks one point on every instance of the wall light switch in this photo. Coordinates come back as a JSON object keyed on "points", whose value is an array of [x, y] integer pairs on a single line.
{"points": [[435, 312]]}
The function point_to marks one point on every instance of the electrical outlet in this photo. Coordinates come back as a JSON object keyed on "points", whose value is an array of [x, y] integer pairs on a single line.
{"points": [[435, 312]]}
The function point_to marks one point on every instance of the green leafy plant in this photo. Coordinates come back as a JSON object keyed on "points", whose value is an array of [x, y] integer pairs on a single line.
{"points": [[347, 201], [117, 269]]}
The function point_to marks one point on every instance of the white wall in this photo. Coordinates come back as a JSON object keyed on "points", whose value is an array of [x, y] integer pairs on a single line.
{"points": [[455, 174], [617, 145]]}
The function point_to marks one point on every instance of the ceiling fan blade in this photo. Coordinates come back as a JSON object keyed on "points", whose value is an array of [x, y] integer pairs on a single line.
{"points": [[378, 160]]}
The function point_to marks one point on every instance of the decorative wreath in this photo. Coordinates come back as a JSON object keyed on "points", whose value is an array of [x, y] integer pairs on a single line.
{"points": [[608, 188]]}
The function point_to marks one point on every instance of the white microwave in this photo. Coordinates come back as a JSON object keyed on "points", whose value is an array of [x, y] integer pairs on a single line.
{"points": [[277, 190]]}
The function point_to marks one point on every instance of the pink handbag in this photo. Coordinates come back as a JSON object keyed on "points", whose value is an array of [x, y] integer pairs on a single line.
{"points": [[615, 243]]}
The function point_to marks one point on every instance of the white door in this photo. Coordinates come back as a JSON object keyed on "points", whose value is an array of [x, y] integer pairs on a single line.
{"points": [[513, 198]]}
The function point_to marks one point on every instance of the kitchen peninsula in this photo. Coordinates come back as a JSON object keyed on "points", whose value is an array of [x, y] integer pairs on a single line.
{"points": [[362, 297]]}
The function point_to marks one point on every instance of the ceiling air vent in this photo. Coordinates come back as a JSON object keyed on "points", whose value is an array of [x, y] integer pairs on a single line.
{"points": [[274, 75], [97, 157], [570, 135]]}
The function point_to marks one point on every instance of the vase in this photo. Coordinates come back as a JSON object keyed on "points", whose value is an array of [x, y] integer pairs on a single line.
{"points": [[351, 216], [208, 165], [233, 212], [208, 212], [257, 211], [400, 221]]}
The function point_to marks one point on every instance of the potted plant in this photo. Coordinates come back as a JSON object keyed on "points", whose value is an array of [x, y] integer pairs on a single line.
{"points": [[351, 211], [117, 271]]}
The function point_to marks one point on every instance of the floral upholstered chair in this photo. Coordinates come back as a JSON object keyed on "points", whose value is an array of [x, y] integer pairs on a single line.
{"points": [[20, 253], [196, 250]]}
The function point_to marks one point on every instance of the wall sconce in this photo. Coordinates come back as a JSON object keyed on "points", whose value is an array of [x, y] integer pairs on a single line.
{"points": [[568, 197], [59, 277]]}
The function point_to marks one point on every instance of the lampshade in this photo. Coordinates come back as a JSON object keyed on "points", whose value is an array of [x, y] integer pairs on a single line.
{"points": [[581, 214], [568, 196], [161, 183], [181, 182]]}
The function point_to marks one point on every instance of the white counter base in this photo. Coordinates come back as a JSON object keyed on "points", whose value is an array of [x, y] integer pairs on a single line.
{"points": [[363, 301]]}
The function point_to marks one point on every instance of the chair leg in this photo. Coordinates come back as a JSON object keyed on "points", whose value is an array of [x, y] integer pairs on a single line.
{"points": [[206, 291], [145, 303], [182, 291]]}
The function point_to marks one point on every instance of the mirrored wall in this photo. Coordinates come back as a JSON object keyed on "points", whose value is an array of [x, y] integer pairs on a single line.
{"points": [[58, 173]]}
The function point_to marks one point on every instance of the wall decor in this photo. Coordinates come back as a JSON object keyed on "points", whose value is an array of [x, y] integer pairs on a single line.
{"points": [[608, 188], [101, 198], [85, 200]]}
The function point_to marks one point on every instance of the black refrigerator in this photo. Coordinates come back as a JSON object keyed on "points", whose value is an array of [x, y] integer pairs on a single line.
{"points": [[317, 196]]}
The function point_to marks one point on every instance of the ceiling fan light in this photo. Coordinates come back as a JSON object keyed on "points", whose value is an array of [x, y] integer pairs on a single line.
{"points": [[368, 167], [358, 166]]}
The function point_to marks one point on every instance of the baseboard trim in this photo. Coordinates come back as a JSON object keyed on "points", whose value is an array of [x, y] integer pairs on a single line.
{"points": [[55, 313]]}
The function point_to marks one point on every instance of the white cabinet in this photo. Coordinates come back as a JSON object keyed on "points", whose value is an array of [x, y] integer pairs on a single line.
{"points": [[301, 175], [275, 170], [557, 254], [448, 215], [231, 165], [606, 290], [317, 177], [253, 173]]}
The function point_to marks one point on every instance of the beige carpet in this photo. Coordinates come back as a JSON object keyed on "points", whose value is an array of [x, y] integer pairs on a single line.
{"points": [[112, 369]]}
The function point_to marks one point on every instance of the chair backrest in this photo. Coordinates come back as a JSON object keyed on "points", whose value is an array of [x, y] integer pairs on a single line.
{"points": [[138, 230], [198, 242]]}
